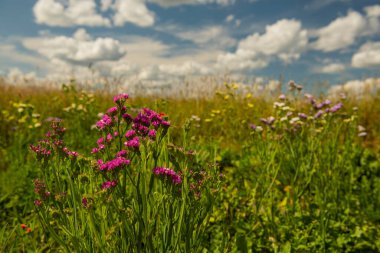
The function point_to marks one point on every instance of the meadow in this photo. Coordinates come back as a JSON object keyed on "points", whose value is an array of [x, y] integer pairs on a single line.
{"points": [[100, 171]]}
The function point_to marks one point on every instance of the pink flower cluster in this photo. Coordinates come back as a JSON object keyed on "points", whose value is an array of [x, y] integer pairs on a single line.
{"points": [[134, 143], [71, 154], [106, 121], [116, 163], [40, 151], [121, 98], [169, 173], [40, 189], [109, 184]]}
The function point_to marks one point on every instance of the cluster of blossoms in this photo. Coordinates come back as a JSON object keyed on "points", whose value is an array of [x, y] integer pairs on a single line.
{"points": [[143, 127], [109, 184], [168, 173], [40, 190], [117, 163], [54, 141], [40, 151], [101, 142], [287, 114]]}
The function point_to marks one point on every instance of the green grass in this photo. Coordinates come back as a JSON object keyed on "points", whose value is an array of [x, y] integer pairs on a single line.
{"points": [[307, 185]]}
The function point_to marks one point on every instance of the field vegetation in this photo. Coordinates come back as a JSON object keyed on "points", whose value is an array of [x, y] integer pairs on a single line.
{"points": [[97, 171]]}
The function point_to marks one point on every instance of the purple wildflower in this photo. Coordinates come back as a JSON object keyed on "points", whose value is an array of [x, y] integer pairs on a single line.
{"points": [[336, 107], [122, 153], [302, 115], [252, 126], [130, 134], [109, 184], [40, 151], [37, 202], [109, 137], [152, 134], [161, 171], [112, 111], [282, 97], [318, 114], [121, 98], [68, 153], [100, 141], [116, 163], [84, 202], [104, 122], [268, 121], [134, 143], [127, 118]]}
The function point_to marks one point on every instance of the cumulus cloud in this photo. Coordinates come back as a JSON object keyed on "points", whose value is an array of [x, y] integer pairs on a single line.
{"points": [[368, 55], [214, 36], [68, 13], [134, 11], [357, 88], [343, 31], [284, 39], [340, 33], [330, 68], [80, 49]]}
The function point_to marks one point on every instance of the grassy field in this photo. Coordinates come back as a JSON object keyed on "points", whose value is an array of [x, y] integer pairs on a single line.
{"points": [[234, 172]]}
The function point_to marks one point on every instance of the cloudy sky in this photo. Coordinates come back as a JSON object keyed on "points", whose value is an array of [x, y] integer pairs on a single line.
{"points": [[155, 40]]}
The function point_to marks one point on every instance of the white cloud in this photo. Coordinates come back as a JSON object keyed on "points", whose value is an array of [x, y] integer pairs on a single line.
{"points": [[106, 4], [343, 31], [284, 39], [230, 18], [358, 88], [330, 68], [212, 36], [17, 77], [134, 11], [368, 55], [171, 3], [68, 13], [15, 57], [340, 33], [77, 50], [373, 11]]}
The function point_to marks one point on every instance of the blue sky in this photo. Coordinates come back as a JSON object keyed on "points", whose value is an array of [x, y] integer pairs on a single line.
{"points": [[161, 40]]}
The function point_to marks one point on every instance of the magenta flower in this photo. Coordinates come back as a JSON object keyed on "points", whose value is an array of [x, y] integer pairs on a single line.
{"points": [[152, 134], [37, 202], [168, 173], [68, 153], [104, 122], [117, 163], [121, 98], [109, 184], [130, 134], [109, 137], [122, 153], [282, 97], [127, 118], [134, 143], [100, 141], [40, 151], [112, 111], [84, 202]]}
